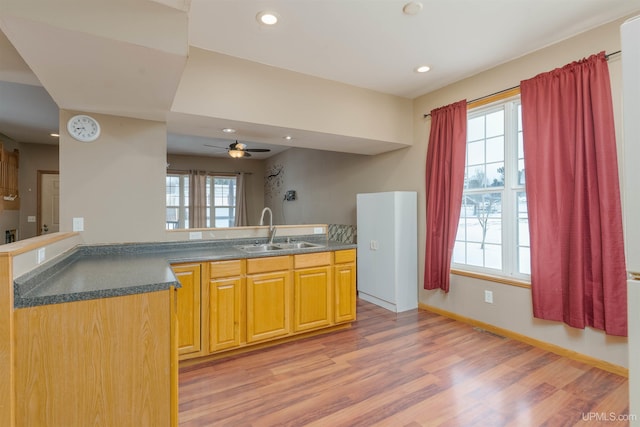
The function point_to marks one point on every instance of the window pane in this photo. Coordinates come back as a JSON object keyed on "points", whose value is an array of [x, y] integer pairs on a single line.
{"points": [[524, 260], [477, 178], [475, 129], [493, 256], [495, 149], [458, 253], [495, 124], [173, 190], [224, 217], [475, 153], [519, 117], [172, 221], [520, 146], [495, 174]]}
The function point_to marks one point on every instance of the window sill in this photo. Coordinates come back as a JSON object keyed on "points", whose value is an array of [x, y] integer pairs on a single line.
{"points": [[491, 278]]}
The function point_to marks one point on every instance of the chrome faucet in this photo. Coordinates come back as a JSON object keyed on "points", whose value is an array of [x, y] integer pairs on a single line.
{"points": [[272, 228]]}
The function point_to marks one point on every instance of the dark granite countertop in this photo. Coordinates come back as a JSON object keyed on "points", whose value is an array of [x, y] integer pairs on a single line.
{"points": [[102, 271]]}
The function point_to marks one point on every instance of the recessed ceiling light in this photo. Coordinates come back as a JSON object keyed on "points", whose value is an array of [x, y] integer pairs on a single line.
{"points": [[55, 134], [412, 8], [229, 130], [423, 69], [288, 138], [267, 18]]}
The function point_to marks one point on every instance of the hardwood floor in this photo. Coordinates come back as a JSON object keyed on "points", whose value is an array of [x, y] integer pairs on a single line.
{"points": [[411, 369]]}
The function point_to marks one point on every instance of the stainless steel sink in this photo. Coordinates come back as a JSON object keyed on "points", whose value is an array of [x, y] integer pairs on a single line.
{"points": [[266, 247], [297, 245], [269, 247]]}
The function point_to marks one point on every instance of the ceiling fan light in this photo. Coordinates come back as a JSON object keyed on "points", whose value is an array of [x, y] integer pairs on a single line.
{"points": [[236, 154]]}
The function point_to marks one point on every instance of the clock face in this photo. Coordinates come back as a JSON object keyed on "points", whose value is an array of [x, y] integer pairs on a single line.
{"points": [[83, 128]]}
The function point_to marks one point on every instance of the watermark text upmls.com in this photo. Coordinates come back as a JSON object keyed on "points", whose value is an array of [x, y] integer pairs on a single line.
{"points": [[608, 416]]}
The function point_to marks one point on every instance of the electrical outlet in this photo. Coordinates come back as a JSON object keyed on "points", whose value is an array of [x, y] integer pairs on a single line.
{"points": [[488, 297], [78, 224], [373, 245]]}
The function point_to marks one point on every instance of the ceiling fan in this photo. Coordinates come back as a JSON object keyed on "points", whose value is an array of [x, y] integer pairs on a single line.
{"points": [[238, 150]]}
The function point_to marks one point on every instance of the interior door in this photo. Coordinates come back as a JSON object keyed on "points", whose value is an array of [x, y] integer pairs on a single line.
{"points": [[49, 203]]}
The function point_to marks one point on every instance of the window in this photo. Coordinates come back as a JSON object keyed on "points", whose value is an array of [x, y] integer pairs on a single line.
{"points": [[493, 230], [177, 201], [220, 203]]}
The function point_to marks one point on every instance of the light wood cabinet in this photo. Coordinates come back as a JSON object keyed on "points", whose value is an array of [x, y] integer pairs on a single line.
{"points": [[344, 276], [268, 298], [312, 292], [188, 308], [102, 362], [226, 305]]}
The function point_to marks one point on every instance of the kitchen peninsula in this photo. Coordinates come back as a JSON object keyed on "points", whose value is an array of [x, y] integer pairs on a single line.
{"points": [[94, 333]]}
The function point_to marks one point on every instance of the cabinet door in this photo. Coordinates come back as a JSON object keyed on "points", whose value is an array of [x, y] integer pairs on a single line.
{"points": [[345, 292], [188, 307], [225, 322], [268, 305], [312, 298]]}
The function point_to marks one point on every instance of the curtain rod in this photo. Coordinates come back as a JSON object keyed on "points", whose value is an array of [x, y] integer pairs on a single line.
{"points": [[170, 170], [514, 87]]}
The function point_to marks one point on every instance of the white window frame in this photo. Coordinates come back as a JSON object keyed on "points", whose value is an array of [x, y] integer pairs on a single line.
{"points": [[509, 218], [212, 207], [183, 221], [183, 217]]}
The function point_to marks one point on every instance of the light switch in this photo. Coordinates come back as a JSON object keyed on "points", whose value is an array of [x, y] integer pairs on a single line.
{"points": [[31, 218], [40, 256]]}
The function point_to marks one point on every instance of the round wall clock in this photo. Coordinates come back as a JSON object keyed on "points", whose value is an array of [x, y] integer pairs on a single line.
{"points": [[83, 128]]}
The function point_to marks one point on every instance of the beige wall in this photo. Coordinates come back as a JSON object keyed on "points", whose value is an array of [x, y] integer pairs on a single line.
{"points": [[33, 157], [253, 182], [329, 182], [117, 183], [221, 86]]}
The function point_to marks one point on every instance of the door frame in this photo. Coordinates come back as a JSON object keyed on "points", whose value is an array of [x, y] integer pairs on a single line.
{"points": [[39, 198]]}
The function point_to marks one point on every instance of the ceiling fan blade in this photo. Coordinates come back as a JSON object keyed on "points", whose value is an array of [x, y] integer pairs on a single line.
{"points": [[258, 150], [215, 146]]}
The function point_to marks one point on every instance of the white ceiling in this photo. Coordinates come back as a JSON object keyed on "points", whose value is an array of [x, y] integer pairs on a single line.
{"points": [[365, 43]]}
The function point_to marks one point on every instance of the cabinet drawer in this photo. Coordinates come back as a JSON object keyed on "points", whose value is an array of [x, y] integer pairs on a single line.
{"points": [[220, 269], [265, 265], [311, 260], [348, 255]]}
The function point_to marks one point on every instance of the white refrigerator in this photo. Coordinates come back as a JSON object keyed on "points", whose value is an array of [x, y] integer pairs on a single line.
{"points": [[388, 249], [630, 38]]}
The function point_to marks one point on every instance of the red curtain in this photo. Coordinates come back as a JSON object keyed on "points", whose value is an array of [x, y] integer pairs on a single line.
{"points": [[444, 183], [578, 272]]}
